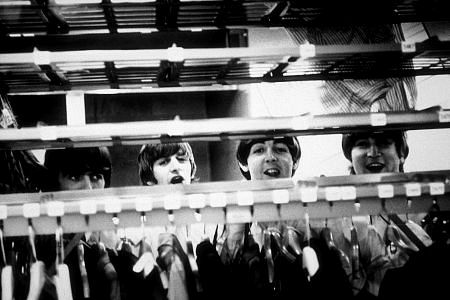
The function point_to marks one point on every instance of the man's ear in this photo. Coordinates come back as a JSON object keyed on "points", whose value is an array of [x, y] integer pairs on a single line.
{"points": [[295, 166], [243, 167], [402, 160]]}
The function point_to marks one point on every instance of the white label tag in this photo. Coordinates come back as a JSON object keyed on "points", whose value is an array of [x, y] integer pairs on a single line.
{"points": [[385, 191], [196, 200], [41, 57], [308, 194], [47, 133], [444, 116], [172, 202], [113, 206], [413, 189], [348, 193], [31, 210], [333, 193], [378, 119], [175, 54], [280, 196], [88, 207], [307, 50], [143, 205], [3, 212], [244, 198], [217, 200], [55, 208], [437, 188], [408, 47]]}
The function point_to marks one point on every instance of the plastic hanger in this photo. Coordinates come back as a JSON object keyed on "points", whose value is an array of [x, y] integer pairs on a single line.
{"points": [[268, 255], [37, 269], [310, 261], [62, 277], [7, 279], [83, 271], [355, 251], [293, 238], [146, 262]]}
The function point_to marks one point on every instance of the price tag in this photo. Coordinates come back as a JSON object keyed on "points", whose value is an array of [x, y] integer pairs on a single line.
{"points": [[408, 47], [143, 205], [437, 188], [348, 193], [31, 210], [217, 200], [196, 201], [280, 196], [47, 133], [308, 194], [172, 202], [385, 191], [245, 198], [113, 206], [88, 207], [3, 212], [41, 57], [413, 189], [333, 193], [175, 54], [307, 50], [378, 119], [444, 116], [55, 208]]}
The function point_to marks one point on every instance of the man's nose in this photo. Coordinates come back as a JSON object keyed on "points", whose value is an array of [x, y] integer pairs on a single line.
{"points": [[270, 155], [174, 165], [86, 183], [373, 150]]}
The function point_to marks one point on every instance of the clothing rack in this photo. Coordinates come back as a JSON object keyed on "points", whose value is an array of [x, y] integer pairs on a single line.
{"points": [[226, 202]]}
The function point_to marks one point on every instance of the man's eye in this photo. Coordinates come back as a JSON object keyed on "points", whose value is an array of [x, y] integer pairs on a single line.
{"points": [[74, 177], [182, 158], [96, 177], [281, 149], [163, 162], [362, 143], [258, 150]]}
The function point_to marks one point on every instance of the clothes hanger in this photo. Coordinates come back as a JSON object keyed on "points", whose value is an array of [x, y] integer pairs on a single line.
{"points": [[7, 278], [146, 262], [82, 267], [62, 277], [37, 269], [310, 261], [355, 251], [268, 255]]}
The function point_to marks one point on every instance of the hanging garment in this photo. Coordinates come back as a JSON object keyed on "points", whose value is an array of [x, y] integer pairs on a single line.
{"points": [[169, 252], [101, 273], [424, 276], [213, 274], [246, 269]]}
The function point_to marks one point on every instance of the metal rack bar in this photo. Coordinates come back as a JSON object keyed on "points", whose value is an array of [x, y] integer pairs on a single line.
{"points": [[133, 133], [228, 202]]}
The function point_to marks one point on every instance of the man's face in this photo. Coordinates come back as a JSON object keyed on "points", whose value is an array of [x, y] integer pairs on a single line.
{"points": [[375, 154], [84, 181], [268, 160], [173, 169]]}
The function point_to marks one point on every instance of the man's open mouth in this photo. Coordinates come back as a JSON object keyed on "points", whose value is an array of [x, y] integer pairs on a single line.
{"points": [[375, 167], [272, 172], [177, 179]]}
